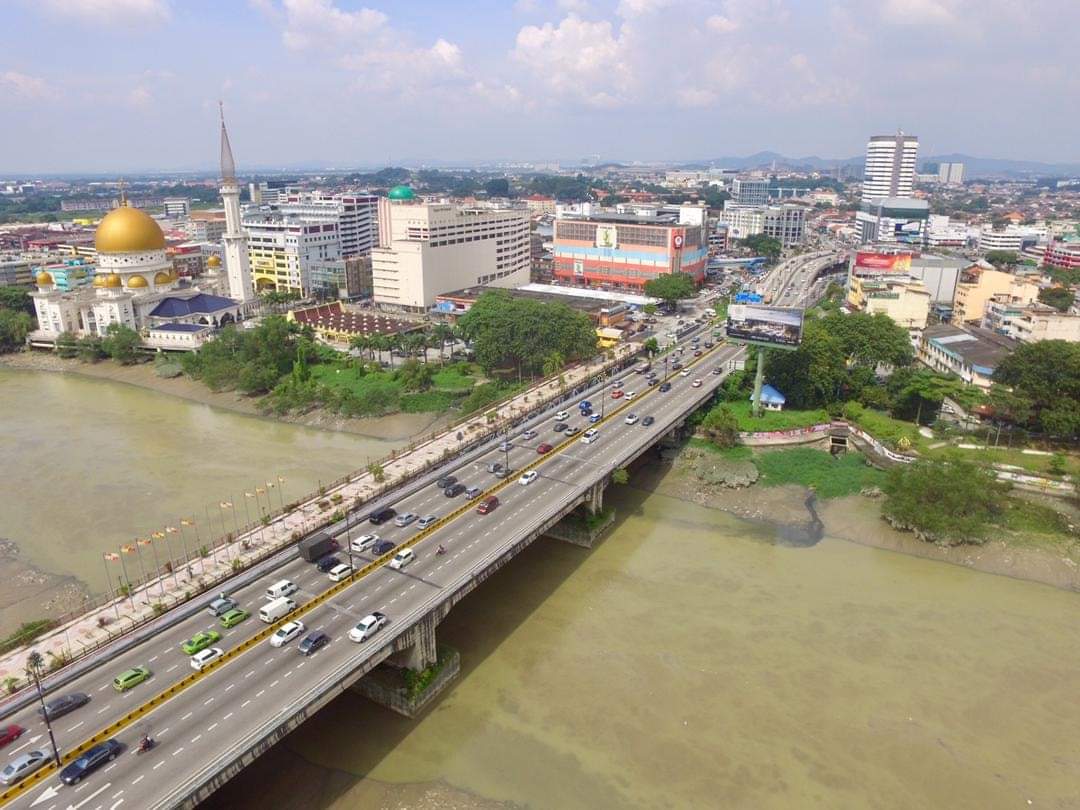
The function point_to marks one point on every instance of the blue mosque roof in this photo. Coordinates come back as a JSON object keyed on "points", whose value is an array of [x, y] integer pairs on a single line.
{"points": [[201, 304], [181, 327]]}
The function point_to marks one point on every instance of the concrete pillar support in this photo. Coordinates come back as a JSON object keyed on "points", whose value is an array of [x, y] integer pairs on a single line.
{"points": [[416, 648], [596, 496]]}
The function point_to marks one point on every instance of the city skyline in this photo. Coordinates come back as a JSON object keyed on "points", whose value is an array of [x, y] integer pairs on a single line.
{"points": [[332, 83]]}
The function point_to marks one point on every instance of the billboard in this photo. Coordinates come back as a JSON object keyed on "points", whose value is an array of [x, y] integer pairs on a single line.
{"points": [[774, 327], [607, 236], [887, 262]]}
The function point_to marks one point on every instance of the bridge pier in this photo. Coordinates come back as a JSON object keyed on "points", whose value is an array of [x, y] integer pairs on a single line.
{"points": [[595, 496], [416, 649]]}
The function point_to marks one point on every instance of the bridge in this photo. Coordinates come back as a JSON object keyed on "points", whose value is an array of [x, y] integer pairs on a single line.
{"points": [[210, 724]]}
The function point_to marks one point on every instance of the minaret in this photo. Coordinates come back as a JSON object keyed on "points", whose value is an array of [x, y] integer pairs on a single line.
{"points": [[237, 267]]}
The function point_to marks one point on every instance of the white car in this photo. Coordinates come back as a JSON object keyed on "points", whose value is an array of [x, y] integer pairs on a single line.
{"points": [[617, 384], [367, 627], [364, 542], [684, 373], [402, 558], [339, 572], [528, 477], [562, 416], [589, 436], [286, 633], [206, 657], [631, 419], [696, 384], [528, 434], [629, 395]]}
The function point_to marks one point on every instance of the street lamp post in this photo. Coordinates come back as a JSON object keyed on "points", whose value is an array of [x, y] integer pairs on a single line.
{"points": [[33, 666], [348, 541]]}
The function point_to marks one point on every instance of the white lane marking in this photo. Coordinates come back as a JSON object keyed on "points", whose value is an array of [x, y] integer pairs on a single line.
{"points": [[103, 709], [80, 723], [117, 794], [152, 660], [178, 751], [208, 701], [21, 747], [230, 686], [186, 716], [287, 674], [275, 683], [116, 804], [245, 703], [100, 790], [159, 765], [100, 688], [110, 767], [170, 669], [139, 778], [167, 649], [226, 717], [248, 675], [196, 738], [211, 728], [260, 693]]}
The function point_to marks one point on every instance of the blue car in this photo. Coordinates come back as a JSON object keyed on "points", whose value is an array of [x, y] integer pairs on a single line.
{"points": [[585, 405], [90, 761]]}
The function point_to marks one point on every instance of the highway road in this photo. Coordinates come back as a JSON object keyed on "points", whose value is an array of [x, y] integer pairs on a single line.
{"points": [[236, 700]]}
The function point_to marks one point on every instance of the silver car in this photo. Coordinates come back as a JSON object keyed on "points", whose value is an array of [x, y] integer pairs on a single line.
{"points": [[426, 521], [405, 518], [22, 766]]}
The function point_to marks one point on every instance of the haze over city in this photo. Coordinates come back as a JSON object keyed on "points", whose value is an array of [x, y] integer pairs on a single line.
{"points": [[122, 85]]}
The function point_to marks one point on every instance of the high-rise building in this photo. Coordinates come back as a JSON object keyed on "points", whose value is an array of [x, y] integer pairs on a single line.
{"points": [[282, 249], [354, 214], [951, 174], [890, 166], [237, 268], [783, 222], [435, 248], [747, 191], [176, 207]]}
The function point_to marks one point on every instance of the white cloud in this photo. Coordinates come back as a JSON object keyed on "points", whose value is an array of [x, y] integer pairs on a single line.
{"points": [[318, 23], [22, 85], [140, 96], [920, 12], [124, 13]]}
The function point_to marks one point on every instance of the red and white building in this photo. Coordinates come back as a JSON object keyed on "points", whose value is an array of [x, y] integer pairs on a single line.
{"points": [[1065, 255]]}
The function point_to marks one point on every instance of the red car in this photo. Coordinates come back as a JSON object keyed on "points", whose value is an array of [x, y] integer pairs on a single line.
{"points": [[10, 734], [544, 448], [487, 505], [616, 394]]}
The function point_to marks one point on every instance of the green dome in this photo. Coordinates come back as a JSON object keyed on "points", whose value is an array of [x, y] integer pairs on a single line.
{"points": [[402, 193]]}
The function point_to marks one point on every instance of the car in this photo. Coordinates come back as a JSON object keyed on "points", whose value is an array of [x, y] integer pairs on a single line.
{"points": [[709, 344], [594, 418], [328, 563], [572, 430], [59, 706], [562, 416], [234, 617], [696, 384], [200, 641], [501, 471], [631, 394], [697, 353], [313, 642], [405, 518], [617, 384], [286, 633], [665, 388], [652, 381], [544, 448], [426, 520], [676, 366], [22, 766], [90, 760], [684, 373], [586, 411], [528, 477], [454, 490], [381, 516], [402, 559], [631, 419], [472, 492], [131, 677], [717, 370], [339, 572], [506, 446], [616, 394], [364, 542], [528, 434], [204, 658], [585, 405], [382, 547], [487, 505], [367, 627], [223, 604], [590, 436], [559, 427], [9, 734], [648, 420], [446, 481]]}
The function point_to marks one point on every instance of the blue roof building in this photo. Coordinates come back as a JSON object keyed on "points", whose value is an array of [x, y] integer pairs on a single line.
{"points": [[771, 399]]}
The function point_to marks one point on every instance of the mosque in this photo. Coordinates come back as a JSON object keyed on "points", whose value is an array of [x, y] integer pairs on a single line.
{"points": [[135, 284]]}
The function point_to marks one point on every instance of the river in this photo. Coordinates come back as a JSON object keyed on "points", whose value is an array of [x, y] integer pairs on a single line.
{"points": [[688, 661]]}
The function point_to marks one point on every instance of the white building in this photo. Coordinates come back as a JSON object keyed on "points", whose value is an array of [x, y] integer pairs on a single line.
{"points": [[748, 191], [892, 219], [176, 207], [951, 174], [355, 216], [1029, 323], [1011, 239], [237, 267], [890, 166], [282, 249], [436, 248], [783, 222]]}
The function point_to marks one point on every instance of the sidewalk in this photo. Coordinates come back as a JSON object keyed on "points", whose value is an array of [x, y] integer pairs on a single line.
{"points": [[255, 542]]}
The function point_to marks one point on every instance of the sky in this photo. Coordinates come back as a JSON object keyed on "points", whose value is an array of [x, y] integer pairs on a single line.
{"points": [[125, 85]]}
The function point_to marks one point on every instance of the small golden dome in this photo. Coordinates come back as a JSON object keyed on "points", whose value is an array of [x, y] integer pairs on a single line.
{"points": [[136, 281], [114, 280], [100, 280], [128, 230], [162, 278], [44, 279], [213, 261]]}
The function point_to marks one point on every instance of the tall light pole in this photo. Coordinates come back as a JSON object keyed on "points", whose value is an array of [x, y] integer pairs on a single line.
{"points": [[34, 665], [348, 541]]}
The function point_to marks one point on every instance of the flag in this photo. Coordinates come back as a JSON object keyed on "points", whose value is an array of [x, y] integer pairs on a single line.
{"points": [[127, 549], [270, 484], [142, 541], [249, 494], [157, 535], [111, 557], [280, 480], [186, 522], [171, 529], [260, 491], [225, 505]]}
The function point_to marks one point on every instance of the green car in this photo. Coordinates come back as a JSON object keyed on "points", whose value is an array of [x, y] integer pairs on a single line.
{"points": [[200, 641], [234, 617], [129, 678]]}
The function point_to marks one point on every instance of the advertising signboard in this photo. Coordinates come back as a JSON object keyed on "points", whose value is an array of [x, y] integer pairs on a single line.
{"points": [[771, 327], [607, 236], [883, 262]]}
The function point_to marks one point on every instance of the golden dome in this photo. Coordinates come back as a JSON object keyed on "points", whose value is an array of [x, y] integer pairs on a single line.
{"points": [[128, 230], [44, 279], [213, 261], [162, 278], [100, 280], [113, 280], [136, 281]]}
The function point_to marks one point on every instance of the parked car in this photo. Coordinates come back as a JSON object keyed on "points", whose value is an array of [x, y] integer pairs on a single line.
{"points": [[130, 678], [367, 627], [528, 477], [454, 490], [425, 521], [402, 559], [544, 448], [22, 766], [313, 642], [339, 572], [446, 481], [404, 519], [648, 420], [364, 542], [59, 706], [90, 760], [381, 516], [286, 633], [328, 564], [203, 658]]}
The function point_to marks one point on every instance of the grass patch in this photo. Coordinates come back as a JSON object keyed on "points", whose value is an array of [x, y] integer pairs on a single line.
{"points": [[884, 428], [334, 375], [739, 452], [454, 378], [775, 420], [1003, 455], [427, 401], [829, 476]]}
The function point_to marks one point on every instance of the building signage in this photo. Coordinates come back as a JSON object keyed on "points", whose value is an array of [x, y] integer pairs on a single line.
{"points": [[579, 267], [677, 240], [607, 236], [773, 327], [887, 262]]}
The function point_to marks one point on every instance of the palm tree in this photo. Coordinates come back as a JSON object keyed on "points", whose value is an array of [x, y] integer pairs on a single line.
{"points": [[361, 343], [553, 364], [442, 332]]}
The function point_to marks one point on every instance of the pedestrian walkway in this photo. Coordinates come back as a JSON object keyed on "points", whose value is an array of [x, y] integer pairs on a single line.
{"points": [[228, 555]]}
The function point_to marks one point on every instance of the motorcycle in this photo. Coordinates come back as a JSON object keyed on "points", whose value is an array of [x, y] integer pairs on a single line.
{"points": [[146, 744], [440, 550]]}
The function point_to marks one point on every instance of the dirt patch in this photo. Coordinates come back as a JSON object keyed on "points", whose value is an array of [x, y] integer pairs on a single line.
{"points": [[30, 593]]}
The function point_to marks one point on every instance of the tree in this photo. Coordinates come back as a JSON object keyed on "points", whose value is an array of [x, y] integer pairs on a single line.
{"points": [[652, 346], [671, 287], [67, 345], [414, 375], [376, 471], [620, 476], [120, 343], [1001, 258], [16, 299], [1059, 298], [763, 245], [497, 187], [15, 325], [1047, 375], [721, 426], [443, 333], [649, 309], [553, 364], [89, 350], [929, 388]]}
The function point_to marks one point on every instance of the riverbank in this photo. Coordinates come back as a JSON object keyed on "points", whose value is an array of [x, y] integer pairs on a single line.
{"points": [[800, 518], [396, 427]]}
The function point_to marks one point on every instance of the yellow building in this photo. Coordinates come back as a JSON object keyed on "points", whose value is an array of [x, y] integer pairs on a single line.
{"points": [[606, 336], [904, 299], [979, 284]]}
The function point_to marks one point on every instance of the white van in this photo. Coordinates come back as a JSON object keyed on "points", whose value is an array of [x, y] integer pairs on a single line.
{"points": [[282, 587], [272, 611]]}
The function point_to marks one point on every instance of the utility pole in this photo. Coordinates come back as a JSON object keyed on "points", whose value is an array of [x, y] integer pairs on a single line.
{"points": [[33, 667]]}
